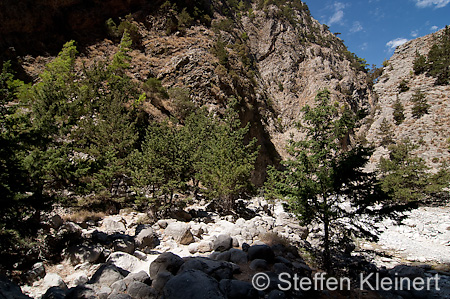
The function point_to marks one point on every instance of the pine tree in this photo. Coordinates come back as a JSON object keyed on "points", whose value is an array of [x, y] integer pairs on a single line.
{"points": [[404, 176], [399, 115], [385, 133], [323, 173], [420, 104]]}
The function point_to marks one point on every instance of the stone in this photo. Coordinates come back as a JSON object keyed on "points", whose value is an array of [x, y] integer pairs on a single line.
{"points": [[10, 290], [119, 296], [123, 245], [53, 280], [126, 261], [36, 272], [146, 239], [216, 269], [139, 290], [236, 289], [55, 293], [261, 252], [113, 226], [223, 243], [276, 294], [77, 278], [259, 265], [166, 261], [140, 276], [193, 248], [83, 253], [238, 256], [407, 271], [205, 246], [180, 232], [192, 284], [56, 221], [108, 274], [160, 281]]}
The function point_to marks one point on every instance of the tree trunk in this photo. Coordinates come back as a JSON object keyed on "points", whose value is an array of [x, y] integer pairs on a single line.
{"points": [[326, 245]]}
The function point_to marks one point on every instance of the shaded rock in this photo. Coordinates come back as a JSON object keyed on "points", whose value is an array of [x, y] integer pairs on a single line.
{"points": [[77, 278], [261, 252], [36, 272], [167, 261], [140, 276], [123, 245], [160, 281], [55, 221], [83, 253], [236, 289], [139, 290], [107, 274], [55, 293], [180, 232], [9, 290], [119, 296], [407, 271], [238, 256], [281, 268], [276, 294], [216, 269], [259, 265], [192, 284], [82, 291]]}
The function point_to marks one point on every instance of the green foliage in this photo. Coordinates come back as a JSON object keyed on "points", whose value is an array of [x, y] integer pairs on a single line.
{"points": [[221, 52], [227, 162], [420, 104], [398, 113], [323, 172], [420, 64], [183, 104], [126, 25], [386, 133], [404, 176], [437, 61], [153, 85], [403, 86]]}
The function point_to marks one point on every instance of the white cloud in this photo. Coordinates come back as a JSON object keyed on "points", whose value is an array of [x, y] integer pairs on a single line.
{"points": [[414, 33], [356, 27], [434, 28], [396, 42], [338, 14], [364, 46], [435, 3]]}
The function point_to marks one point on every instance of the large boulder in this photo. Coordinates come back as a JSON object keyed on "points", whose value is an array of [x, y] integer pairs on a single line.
{"points": [[112, 225], [192, 284], [9, 290], [180, 232], [261, 252], [223, 242], [167, 261], [140, 290], [216, 269], [107, 274], [127, 262], [54, 280], [236, 289], [146, 239], [83, 253]]}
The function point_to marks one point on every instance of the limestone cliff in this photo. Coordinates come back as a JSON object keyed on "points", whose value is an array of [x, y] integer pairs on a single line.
{"points": [[274, 59], [430, 131]]}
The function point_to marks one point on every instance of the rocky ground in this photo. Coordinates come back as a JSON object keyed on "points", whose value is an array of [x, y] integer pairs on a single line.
{"points": [[208, 256]]}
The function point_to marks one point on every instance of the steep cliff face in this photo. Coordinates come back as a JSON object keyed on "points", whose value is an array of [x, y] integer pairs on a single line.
{"points": [[430, 131], [272, 59]]}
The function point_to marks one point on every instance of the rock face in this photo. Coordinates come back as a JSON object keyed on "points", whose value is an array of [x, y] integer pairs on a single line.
{"points": [[276, 65], [429, 132]]}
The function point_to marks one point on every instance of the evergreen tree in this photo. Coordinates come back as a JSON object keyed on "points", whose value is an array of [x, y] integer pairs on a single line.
{"points": [[323, 174], [420, 104], [227, 162], [398, 113], [386, 133], [404, 176]]}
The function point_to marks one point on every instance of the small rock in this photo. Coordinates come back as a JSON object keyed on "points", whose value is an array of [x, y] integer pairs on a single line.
{"points": [[54, 280], [193, 248], [261, 252], [126, 262], [259, 265], [139, 290], [205, 246], [146, 238], [236, 289]]}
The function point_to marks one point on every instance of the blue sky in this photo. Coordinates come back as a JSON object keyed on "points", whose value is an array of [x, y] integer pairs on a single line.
{"points": [[373, 28]]}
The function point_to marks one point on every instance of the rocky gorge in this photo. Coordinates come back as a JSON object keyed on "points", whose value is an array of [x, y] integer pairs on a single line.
{"points": [[119, 256]]}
